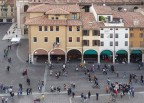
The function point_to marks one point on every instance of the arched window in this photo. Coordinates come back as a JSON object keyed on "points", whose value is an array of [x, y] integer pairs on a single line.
{"points": [[25, 8]]}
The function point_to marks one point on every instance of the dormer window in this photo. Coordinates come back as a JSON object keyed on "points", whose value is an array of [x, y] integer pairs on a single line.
{"points": [[74, 16]]}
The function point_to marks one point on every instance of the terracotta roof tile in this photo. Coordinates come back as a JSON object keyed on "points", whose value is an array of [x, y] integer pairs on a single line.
{"points": [[57, 11], [74, 22], [43, 20], [88, 18], [47, 7], [129, 18], [106, 10]]}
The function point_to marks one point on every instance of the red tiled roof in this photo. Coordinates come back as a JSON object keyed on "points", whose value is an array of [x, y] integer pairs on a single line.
{"points": [[43, 20], [106, 10], [74, 22], [47, 7], [88, 18], [57, 11], [129, 18]]}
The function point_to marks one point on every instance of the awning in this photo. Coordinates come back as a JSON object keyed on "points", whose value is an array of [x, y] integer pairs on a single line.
{"points": [[106, 52], [90, 52], [136, 52], [121, 52]]}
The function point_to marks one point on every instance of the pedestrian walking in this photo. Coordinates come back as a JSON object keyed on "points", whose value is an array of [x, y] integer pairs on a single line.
{"points": [[9, 59], [3, 99], [28, 81], [89, 95], [6, 100], [8, 67], [20, 86], [73, 94], [82, 96], [97, 96], [30, 90], [27, 91]]}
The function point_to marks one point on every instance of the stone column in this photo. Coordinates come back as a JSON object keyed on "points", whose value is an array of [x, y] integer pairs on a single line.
{"points": [[98, 58], [65, 57], [31, 59], [128, 57], [143, 57], [18, 13], [113, 57], [49, 61]]}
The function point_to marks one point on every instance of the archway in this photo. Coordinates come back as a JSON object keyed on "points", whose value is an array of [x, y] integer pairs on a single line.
{"points": [[121, 56], [25, 8], [57, 55], [74, 55], [106, 56], [40, 55], [136, 56], [90, 55]]}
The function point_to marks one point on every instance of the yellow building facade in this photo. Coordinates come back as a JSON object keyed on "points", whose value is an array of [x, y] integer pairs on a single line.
{"points": [[55, 32]]}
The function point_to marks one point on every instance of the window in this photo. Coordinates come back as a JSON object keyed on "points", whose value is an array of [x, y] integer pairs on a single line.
{"points": [[111, 43], [45, 39], [141, 35], [116, 43], [78, 28], [116, 36], [70, 28], [96, 42], [52, 18], [51, 28], [116, 28], [40, 28], [111, 28], [131, 35], [141, 29], [85, 33], [111, 35], [25, 30], [126, 43], [126, 28], [96, 33], [11, 9], [102, 43], [102, 35], [74, 16], [85, 42], [57, 40], [25, 8], [70, 39], [45, 28], [101, 28], [57, 18], [126, 35], [34, 39], [57, 28], [78, 39]]}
